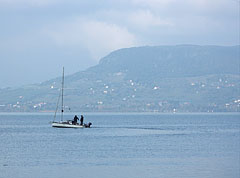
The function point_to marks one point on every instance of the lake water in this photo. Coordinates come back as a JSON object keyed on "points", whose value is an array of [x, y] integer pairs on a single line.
{"points": [[121, 145]]}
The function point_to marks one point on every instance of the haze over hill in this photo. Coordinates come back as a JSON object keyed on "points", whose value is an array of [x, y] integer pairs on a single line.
{"points": [[183, 78]]}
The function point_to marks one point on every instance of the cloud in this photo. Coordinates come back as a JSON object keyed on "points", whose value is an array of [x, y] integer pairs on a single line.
{"points": [[153, 3], [145, 18], [176, 8], [27, 3], [186, 6], [102, 38], [98, 37]]}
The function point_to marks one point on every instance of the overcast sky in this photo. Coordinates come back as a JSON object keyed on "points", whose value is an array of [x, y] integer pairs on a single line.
{"points": [[38, 37]]}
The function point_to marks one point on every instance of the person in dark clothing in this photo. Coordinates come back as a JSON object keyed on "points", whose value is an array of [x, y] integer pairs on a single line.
{"points": [[81, 120], [75, 120], [88, 125]]}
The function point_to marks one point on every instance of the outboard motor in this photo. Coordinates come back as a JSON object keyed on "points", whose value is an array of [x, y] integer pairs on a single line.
{"points": [[88, 125]]}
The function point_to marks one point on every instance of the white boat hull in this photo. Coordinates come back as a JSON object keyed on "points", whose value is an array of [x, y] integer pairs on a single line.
{"points": [[66, 125]]}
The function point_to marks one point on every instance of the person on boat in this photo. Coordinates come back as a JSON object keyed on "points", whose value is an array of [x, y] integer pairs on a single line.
{"points": [[81, 120], [88, 125], [75, 120]]}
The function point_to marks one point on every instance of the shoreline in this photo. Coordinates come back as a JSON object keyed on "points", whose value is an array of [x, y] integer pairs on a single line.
{"points": [[122, 113]]}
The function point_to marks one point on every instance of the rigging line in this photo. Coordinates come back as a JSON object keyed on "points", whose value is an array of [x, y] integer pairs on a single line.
{"points": [[62, 94], [57, 106]]}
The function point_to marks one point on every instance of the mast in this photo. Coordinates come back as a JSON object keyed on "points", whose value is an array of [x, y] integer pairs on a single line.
{"points": [[62, 95]]}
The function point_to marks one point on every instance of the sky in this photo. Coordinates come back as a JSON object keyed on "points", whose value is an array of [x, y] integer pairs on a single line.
{"points": [[39, 37]]}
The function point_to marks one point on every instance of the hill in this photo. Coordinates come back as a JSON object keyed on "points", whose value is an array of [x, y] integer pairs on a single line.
{"points": [[183, 78]]}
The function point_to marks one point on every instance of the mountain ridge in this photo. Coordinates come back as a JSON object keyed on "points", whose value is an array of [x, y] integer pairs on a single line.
{"points": [[184, 78]]}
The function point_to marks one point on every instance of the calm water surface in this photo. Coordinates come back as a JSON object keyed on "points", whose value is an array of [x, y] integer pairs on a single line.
{"points": [[121, 145]]}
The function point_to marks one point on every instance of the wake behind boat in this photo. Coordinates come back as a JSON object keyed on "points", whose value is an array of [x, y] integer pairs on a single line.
{"points": [[69, 123]]}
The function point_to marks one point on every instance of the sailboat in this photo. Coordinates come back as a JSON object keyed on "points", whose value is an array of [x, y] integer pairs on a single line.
{"points": [[67, 123]]}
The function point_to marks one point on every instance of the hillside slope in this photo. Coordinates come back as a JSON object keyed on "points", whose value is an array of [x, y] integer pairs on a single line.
{"points": [[184, 78]]}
